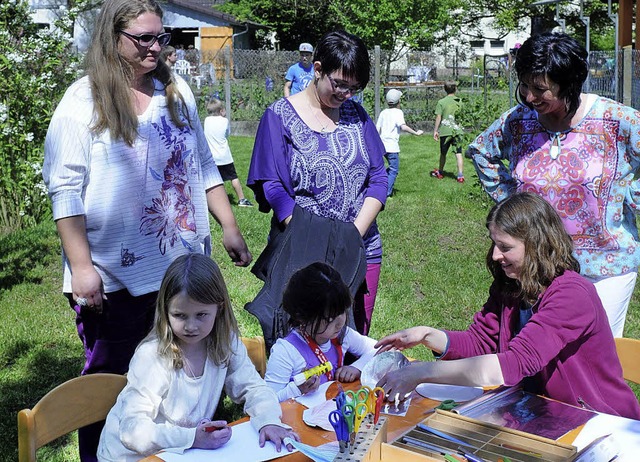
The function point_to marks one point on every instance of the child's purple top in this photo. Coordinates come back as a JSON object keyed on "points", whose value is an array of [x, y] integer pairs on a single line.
{"points": [[329, 174]]}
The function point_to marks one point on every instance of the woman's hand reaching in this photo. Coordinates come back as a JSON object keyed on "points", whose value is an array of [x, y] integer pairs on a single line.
{"points": [[403, 339]]}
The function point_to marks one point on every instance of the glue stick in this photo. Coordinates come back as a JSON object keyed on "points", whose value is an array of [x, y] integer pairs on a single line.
{"points": [[303, 376]]}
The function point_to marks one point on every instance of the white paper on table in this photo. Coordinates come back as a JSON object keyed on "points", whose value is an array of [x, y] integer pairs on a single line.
{"points": [[317, 397], [400, 409], [626, 433], [242, 447], [442, 392], [318, 416]]}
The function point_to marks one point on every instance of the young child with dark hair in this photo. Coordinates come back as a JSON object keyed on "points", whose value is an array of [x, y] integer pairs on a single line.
{"points": [[180, 369], [317, 301]]}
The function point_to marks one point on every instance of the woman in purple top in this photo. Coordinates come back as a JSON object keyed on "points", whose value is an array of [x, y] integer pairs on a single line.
{"points": [[543, 325], [319, 150]]}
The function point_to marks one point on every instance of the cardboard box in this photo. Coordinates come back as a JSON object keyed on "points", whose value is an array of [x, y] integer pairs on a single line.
{"points": [[491, 442]]}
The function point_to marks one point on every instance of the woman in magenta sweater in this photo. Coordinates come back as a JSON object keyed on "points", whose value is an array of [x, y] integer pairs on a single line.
{"points": [[543, 325]]}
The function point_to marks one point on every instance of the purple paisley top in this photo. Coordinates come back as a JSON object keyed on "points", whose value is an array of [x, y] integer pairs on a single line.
{"points": [[329, 174], [591, 182]]}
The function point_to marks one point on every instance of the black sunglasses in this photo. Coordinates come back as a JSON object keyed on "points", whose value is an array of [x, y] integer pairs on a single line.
{"points": [[147, 40]]}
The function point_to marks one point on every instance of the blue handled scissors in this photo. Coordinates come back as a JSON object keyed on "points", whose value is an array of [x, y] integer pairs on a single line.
{"points": [[339, 424], [341, 400]]}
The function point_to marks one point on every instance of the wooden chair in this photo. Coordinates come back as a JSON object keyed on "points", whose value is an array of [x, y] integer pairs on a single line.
{"points": [[257, 352], [629, 354], [75, 403]]}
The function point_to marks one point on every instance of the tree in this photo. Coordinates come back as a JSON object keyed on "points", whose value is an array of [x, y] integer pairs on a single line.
{"points": [[507, 15], [36, 66], [399, 24], [295, 21]]}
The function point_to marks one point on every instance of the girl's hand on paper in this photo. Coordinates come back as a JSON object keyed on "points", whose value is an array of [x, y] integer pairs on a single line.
{"points": [[347, 374], [276, 434], [211, 434], [310, 385]]}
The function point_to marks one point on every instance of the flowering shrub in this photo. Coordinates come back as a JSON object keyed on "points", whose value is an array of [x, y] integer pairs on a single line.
{"points": [[36, 66]]}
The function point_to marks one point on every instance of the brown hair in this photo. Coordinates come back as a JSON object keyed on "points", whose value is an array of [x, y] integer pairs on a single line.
{"points": [[548, 246], [214, 107]]}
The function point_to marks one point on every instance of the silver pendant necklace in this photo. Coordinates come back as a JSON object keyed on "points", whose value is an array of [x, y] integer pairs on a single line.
{"points": [[556, 146], [324, 126]]}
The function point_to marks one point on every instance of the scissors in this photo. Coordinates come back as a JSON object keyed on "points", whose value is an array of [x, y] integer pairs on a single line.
{"points": [[339, 424], [361, 412], [348, 414], [379, 394], [356, 397], [446, 405], [341, 400]]}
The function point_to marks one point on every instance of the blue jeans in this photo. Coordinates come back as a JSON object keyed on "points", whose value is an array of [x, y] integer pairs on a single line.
{"points": [[393, 158]]}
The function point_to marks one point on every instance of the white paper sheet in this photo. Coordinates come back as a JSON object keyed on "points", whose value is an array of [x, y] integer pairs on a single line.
{"points": [[318, 416], [242, 447], [317, 397], [626, 433], [442, 392]]}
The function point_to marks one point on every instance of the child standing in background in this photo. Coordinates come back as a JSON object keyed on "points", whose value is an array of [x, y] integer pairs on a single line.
{"points": [[447, 131], [179, 370], [390, 123], [317, 301], [216, 131]]}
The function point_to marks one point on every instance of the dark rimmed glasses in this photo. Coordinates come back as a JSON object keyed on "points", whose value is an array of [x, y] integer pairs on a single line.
{"points": [[147, 40], [343, 88]]}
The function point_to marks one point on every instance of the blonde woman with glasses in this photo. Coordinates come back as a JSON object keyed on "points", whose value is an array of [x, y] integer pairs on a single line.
{"points": [[131, 180]]}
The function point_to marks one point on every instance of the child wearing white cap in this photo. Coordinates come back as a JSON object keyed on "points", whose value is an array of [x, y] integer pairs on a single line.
{"points": [[301, 73], [390, 124]]}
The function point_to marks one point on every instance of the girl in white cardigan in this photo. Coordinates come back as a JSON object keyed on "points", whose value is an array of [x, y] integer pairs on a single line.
{"points": [[178, 372]]}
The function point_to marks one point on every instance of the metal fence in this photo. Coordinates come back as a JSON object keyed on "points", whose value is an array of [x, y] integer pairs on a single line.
{"points": [[250, 80]]}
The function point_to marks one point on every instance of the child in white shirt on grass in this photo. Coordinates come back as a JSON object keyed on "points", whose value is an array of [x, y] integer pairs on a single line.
{"points": [[317, 301], [216, 131], [390, 124]]}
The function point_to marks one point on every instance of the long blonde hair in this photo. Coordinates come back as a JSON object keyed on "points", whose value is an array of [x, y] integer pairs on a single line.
{"points": [[111, 76], [200, 279]]}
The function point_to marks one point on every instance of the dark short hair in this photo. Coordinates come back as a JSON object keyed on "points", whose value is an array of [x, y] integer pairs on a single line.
{"points": [[450, 87], [548, 246], [559, 57], [314, 294], [342, 51]]}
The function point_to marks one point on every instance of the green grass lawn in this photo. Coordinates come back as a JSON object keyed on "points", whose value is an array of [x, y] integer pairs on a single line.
{"points": [[433, 273]]}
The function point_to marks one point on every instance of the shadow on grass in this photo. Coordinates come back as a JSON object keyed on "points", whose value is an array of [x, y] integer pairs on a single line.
{"points": [[47, 368], [25, 255]]}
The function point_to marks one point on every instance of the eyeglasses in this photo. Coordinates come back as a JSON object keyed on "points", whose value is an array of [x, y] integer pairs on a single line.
{"points": [[343, 88], [147, 40]]}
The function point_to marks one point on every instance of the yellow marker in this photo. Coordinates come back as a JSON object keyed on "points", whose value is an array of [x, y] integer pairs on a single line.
{"points": [[303, 376]]}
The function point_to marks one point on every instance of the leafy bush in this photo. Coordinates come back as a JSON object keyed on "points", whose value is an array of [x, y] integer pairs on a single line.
{"points": [[36, 66]]}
